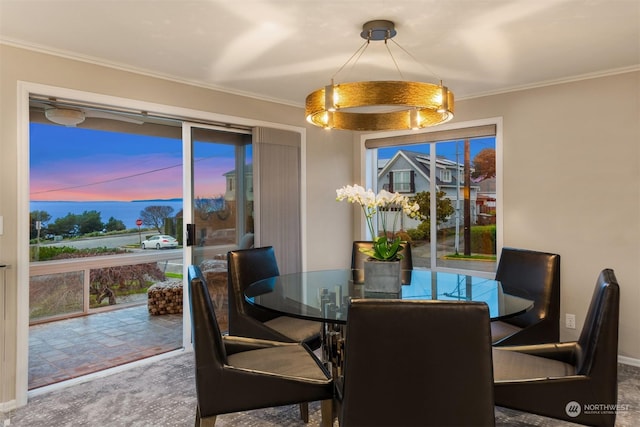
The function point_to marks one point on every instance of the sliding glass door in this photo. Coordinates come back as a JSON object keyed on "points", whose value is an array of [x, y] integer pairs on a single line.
{"points": [[110, 202], [105, 202], [219, 212]]}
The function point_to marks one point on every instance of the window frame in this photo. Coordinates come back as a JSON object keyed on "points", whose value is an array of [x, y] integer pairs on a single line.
{"points": [[369, 162]]}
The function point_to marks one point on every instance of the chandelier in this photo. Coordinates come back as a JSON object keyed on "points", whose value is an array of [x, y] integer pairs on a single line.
{"points": [[379, 105]]}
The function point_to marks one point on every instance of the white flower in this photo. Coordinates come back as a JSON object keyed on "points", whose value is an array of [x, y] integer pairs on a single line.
{"points": [[370, 203]]}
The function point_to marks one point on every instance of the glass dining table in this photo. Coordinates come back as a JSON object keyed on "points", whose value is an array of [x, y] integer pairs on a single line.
{"points": [[324, 296]]}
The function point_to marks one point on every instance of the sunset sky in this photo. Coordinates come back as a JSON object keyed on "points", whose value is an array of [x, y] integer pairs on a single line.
{"points": [[81, 164], [76, 164]]}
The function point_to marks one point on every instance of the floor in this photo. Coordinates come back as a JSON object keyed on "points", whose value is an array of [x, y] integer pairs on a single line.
{"points": [[66, 349], [162, 394]]}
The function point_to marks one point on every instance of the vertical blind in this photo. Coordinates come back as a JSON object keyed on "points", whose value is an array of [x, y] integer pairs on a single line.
{"points": [[278, 174]]}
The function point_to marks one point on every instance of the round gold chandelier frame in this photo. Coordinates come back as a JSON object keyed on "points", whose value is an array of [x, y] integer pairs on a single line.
{"points": [[379, 105], [413, 105]]}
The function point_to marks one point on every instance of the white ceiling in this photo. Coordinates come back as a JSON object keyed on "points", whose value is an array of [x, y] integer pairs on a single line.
{"points": [[283, 49]]}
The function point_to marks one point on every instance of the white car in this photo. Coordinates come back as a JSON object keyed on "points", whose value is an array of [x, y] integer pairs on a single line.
{"points": [[159, 242]]}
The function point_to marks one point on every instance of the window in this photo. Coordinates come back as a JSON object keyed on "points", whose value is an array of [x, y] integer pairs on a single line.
{"points": [[402, 181], [452, 174], [445, 175]]}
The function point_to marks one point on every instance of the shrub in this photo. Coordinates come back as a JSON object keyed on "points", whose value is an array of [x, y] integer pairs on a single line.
{"points": [[110, 282], [415, 234], [53, 252], [404, 236], [483, 239], [420, 233], [425, 229]]}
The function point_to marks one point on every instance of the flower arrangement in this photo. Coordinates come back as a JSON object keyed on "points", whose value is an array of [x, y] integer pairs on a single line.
{"points": [[387, 246]]}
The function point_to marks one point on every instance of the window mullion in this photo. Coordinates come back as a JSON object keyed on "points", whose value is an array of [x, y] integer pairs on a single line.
{"points": [[433, 202]]}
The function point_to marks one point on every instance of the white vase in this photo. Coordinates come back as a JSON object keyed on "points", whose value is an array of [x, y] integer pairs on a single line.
{"points": [[382, 277]]}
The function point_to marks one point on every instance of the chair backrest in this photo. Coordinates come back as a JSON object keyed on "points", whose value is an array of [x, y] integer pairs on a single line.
{"points": [[358, 258], [209, 350], [417, 363], [598, 342], [246, 266], [533, 275]]}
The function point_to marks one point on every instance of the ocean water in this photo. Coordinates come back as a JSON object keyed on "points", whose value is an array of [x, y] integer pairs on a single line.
{"points": [[127, 212]]}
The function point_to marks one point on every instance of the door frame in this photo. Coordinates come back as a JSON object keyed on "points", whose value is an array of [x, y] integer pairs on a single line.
{"points": [[24, 91]]}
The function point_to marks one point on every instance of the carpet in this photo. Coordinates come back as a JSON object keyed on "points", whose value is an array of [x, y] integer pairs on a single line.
{"points": [[162, 394]]}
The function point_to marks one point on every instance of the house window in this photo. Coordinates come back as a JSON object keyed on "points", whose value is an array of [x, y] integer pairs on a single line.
{"points": [[445, 175], [453, 174], [402, 181]]}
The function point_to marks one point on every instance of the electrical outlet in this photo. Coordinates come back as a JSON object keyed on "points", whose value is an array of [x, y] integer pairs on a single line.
{"points": [[570, 321]]}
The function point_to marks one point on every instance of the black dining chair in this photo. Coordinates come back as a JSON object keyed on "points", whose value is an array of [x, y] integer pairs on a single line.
{"points": [[237, 373], [532, 275], [561, 379], [416, 363], [245, 267], [358, 258]]}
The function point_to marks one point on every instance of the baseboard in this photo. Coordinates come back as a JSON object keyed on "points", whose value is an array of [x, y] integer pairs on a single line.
{"points": [[629, 361], [7, 406]]}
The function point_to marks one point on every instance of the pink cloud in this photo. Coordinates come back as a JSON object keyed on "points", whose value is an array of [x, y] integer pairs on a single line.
{"points": [[115, 177]]}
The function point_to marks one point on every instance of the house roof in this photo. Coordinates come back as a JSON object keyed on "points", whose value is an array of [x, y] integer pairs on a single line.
{"points": [[420, 162]]}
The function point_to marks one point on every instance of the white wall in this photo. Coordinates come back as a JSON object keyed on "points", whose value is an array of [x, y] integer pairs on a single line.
{"points": [[571, 156]]}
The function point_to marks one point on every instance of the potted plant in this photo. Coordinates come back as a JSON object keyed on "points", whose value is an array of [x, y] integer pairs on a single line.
{"points": [[387, 246]]}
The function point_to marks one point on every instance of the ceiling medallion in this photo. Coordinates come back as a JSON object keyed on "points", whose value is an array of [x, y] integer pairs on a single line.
{"points": [[379, 105]]}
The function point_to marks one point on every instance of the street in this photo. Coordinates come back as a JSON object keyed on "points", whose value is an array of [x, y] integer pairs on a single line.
{"points": [[116, 241]]}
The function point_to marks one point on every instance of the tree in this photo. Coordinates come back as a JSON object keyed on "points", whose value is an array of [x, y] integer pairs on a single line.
{"points": [[89, 222], [74, 225], [154, 216], [204, 207], [444, 208], [65, 226], [41, 216], [114, 225], [484, 164]]}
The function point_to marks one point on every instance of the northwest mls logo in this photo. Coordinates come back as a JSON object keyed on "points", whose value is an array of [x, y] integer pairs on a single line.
{"points": [[573, 409]]}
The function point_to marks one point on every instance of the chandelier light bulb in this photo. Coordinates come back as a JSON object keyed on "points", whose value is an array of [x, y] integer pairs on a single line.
{"points": [[329, 105], [414, 119]]}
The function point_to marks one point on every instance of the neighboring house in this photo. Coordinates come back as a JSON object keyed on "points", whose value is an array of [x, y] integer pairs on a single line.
{"points": [[215, 218], [408, 173], [486, 201], [230, 191]]}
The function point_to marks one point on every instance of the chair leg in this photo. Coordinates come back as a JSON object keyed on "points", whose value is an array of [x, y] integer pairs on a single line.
{"points": [[206, 422], [326, 413], [304, 412]]}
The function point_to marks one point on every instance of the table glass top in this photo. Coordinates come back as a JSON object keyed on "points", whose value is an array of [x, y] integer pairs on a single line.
{"points": [[324, 295]]}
